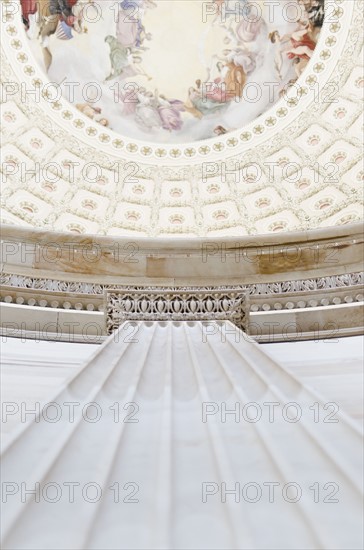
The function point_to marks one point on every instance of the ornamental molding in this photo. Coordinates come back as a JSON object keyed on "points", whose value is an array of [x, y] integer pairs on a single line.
{"points": [[304, 293], [55, 285], [195, 304]]}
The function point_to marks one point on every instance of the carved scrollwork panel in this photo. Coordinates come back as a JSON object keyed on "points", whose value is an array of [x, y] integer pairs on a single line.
{"points": [[193, 305]]}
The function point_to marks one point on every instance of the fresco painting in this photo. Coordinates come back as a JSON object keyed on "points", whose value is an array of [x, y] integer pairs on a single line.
{"points": [[173, 70]]}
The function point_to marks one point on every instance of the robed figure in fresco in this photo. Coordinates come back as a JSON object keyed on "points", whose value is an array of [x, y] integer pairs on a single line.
{"points": [[120, 49]]}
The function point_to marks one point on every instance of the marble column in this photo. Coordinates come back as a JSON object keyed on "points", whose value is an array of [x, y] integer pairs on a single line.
{"points": [[183, 435]]}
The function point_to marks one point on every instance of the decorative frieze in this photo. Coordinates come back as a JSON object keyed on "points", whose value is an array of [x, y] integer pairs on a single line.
{"points": [[194, 305], [79, 287]]}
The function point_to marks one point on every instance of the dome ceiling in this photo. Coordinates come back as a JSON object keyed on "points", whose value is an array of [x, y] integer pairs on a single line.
{"points": [[176, 71], [292, 165]]}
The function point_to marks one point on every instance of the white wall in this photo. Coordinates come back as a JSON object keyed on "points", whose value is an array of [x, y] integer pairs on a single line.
{"points": [[334, 368]]}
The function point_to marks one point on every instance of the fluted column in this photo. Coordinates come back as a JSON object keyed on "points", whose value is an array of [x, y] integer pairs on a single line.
{"points": [[199, 433]]}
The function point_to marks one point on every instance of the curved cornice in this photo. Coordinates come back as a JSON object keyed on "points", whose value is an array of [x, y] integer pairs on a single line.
{"points": [[307, 285], [249, 259]]}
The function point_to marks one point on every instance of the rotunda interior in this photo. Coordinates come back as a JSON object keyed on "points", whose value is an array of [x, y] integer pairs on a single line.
{"points": [[182, 274]]}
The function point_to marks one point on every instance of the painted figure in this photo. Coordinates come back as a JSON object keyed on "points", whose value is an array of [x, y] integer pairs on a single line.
{"points": [[124, 61], [119, 57], [242, 57], [88, 109], [279, 45], [28, 8], [52, 11], [92, 112], [249, 48], [146, 111], [128, 24], [130, 31], [315, 11], [170, 113], [205, 101], [247, 31], [129, 99], [298, 46], [303, 43], [50, 14]]}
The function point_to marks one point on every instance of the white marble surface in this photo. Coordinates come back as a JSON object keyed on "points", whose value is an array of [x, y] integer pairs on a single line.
{"points": [[33, 370], [332, 367], [170, 455]]}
